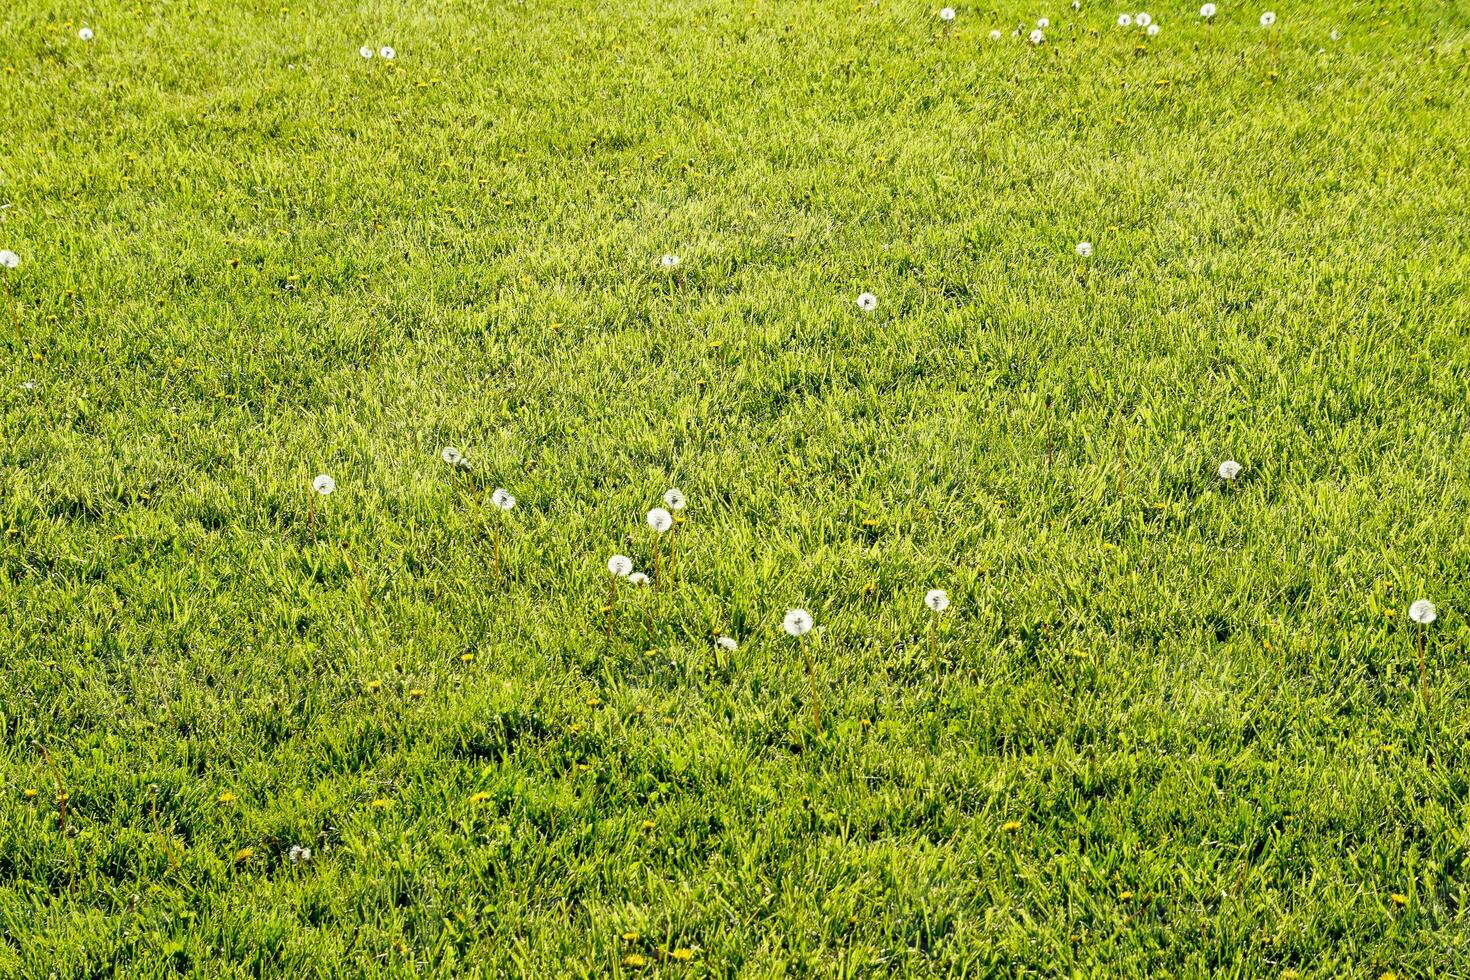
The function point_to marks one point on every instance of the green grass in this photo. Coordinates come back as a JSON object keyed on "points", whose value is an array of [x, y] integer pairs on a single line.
{"points": [[1177, 731]]}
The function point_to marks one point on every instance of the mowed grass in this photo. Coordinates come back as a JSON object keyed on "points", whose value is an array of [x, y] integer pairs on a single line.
{"points": [[1177, 729]]}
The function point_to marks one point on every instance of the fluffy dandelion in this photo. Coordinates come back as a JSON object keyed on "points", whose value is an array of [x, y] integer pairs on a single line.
{"points": [[1076, 4], [1229, 470], [618, 566], [1268, 18], [674, 500], [366, 52], [947, 14], [1084, 250], [1423, 613], [324, 485], [1037, 37], [1043, 23], [937, 601], [727, 643], [10, 261], [1143, 19], [503, 501], [1153, 30], [299, 854], [669, 261], [1125, 20], [867, 302], [638, 578], [86, 34], [661, 521], [453, 457], [387, 53], [1207, 11], [798, 623], [995, 35]]}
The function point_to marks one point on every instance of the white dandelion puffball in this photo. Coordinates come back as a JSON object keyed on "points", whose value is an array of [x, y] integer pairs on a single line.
{"points": [[995, 35], [1268, 18], [674, 500], [387, 53], [669, 261], [937, 600], [503, 499], [299, 854], [324, 485], [1037, 37], [1334, 35], [798, 622], [9, 259], [1153, 30], [947, 14], [727, 643], [1076, 4], [1423, 612], [1084, 249], [660, 520], [1207, 11], [620, 565], [638, 578], [867, 302], [86, 34], [1229, 470], [365, 51], [1124, 20], [451, 455], [1043, 23], [1143, 19]]}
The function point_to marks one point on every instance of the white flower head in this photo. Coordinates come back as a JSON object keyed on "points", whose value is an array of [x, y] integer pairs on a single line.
{"points": [[324, 485], [365, 51], [1037, 37], [1125, 20], [727, 643], [1207, 11], [867, 302], [798, 622], [638, 578], [1423, 612], [451, 456], [1229, 470], [1143, 19], [1268, 18], [1076, 4], [86, 34], [947, 14], [937, 600], [1084, 249], [503, 499], [669, 261], [387, 53], [29, 385], [674, 500], [1153, 30], [995, 35], [299, 854], [1043, 23], [620, 565], [660, 520], [9, 259]]}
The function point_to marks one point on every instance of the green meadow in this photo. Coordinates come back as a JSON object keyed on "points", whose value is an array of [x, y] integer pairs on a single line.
{"points": [[1170, 724]]}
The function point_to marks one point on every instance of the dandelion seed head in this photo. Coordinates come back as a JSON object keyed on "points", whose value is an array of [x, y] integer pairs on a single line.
{"points": [[937, 600], [324, 485], [638, 578], [503, 499], [451, 456], [1125, 20], [1207, 11], [387, 53], [1143, 19], [1268, 18], [365, 51], [1043, 23], [1229, 470], [798, 622], [620, 565], [1037, 37], [1423, 612], [299, 854], [674, 500], [86, 34], [1153, 30], [660, 520], [947, 14], [1084, 249], [9, 259], [995, 35], [727, 643], [867, 302], [669, 261]]}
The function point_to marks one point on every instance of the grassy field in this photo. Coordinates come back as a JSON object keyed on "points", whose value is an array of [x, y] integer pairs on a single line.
{"points": [[1177, 726]]}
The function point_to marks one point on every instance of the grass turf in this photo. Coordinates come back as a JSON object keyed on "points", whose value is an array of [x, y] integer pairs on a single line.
{"points": [[1177, 730]]}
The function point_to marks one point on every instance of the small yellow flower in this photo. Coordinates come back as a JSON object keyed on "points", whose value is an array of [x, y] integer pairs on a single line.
{"points": [[649, 825], [226, 798], [682, 955], [416, 692], [480, 797], [244, 854], [1289, 975], [1399, 899], [631, 936], [1125, 896], [380, 804], [375, 685], [593, 702], [30, 794], [467, 658], [1011, 826], [635, 960]]}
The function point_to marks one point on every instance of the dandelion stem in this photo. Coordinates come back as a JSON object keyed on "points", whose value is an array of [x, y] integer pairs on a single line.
{"points": [[672, 531], [612, 601], [1423, 669], [311, 515], [495, 544], [658, 576], [14, 309], [811, 673], [934, 645], [61, 794]]}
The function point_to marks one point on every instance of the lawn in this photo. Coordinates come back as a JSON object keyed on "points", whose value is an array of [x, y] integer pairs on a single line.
{"points": [[1169, 724]]}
